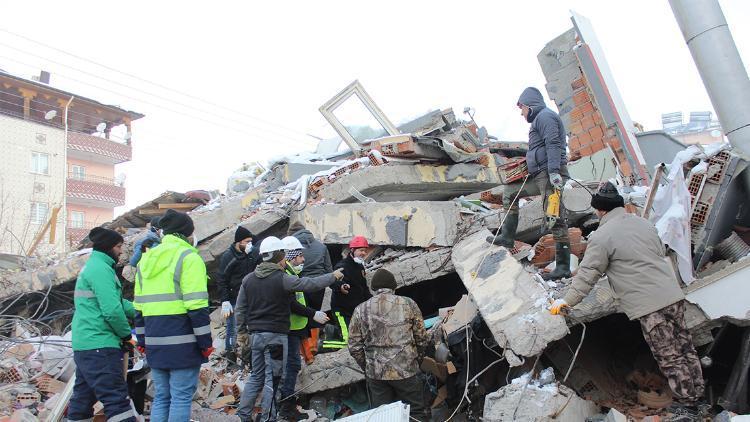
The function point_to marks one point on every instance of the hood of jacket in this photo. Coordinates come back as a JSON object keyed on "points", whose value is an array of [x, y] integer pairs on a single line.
{"points": [[265, 269], [532, 98], [161, 259], [305, 237]]}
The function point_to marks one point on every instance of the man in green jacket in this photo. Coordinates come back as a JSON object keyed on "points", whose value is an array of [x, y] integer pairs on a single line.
{"points": [[100, 331]]}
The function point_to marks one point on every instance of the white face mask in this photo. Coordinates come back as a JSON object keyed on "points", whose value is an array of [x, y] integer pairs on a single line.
{"points": [[359, 260], [248, 248], [298, 268], [195, 242]]}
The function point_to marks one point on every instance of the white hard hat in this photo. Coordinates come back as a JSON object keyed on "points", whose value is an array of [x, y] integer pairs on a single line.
{"points": [[291, 243], [271, 244]]}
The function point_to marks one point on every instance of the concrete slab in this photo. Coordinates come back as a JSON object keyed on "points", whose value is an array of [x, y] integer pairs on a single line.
{"points": [[209, 222], [520, 402], [511, 302], [417, 266], [419, 182], [329, 370], [41, 279], [419, 224]]}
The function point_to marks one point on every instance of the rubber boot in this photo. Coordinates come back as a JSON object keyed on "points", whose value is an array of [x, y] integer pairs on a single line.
{"points": [[288, 411], [562, 262], [507, 236]]}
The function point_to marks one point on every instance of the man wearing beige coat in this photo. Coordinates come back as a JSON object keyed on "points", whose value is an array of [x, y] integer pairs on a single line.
{"points": [[627, 248]]}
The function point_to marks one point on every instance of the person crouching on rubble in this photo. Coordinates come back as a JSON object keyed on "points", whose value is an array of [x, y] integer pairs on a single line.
{"points": [[546, 160], [101, 333], [627, 248], [263, 310], [349, 292], [388, 340], [172, 318]]}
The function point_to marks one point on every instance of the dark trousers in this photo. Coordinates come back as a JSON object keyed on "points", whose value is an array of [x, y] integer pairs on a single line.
{"points": [[409, 390], [99, 377], [293, 366], [538, 184]]}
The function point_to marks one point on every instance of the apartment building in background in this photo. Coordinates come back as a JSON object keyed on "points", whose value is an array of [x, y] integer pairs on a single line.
{"points": [[54, 177], [701, 128]]}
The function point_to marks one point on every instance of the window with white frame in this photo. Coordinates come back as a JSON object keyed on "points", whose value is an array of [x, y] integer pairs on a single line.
{"points": [[39, 212], [79, 172], [77, 219], [39, 163]]}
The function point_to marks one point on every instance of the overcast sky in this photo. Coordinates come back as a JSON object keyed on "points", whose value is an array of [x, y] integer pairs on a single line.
{"points": [[255, 73]]}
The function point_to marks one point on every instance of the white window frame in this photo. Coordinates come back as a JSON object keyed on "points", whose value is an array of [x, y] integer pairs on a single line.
{"points": [[77, 219], [354, 88], [35, 156], [34, 215], [77, 175]]}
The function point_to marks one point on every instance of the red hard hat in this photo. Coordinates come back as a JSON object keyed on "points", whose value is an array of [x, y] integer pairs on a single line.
{"points": [[358, 242]]}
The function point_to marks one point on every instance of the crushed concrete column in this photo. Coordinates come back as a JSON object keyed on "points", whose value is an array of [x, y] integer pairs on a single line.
{"points": [[519, 401], [511, 302], [417, 266], [329, 370], [419, 224], [208, 222]]}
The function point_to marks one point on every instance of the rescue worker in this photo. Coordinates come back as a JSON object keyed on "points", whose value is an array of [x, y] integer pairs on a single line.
{"points": [[546, 160], [100, 328], [317, 261], [172, 319], [349, 292], [152, 234], [239, 260], [388, 340], [263, 310], [298, 330], [627, 248]]}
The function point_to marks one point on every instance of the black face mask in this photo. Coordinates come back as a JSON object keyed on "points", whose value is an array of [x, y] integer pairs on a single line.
{"points": [[111, 254], [532, 114]]}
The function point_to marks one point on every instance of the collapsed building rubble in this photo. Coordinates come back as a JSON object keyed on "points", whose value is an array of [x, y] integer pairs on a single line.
{"points": [[426, 198]]}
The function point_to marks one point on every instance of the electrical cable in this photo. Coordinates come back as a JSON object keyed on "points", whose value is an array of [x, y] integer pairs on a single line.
{"points": [[578, 349]]}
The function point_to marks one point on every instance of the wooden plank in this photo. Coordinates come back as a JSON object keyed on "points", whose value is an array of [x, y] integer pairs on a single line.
{"points": [[179, 206], [151, 211], [652, 192]]}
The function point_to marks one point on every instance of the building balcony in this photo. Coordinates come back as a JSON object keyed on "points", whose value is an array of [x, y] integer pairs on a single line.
{"points": [[101, 150], [94, 191], [76, 231]]}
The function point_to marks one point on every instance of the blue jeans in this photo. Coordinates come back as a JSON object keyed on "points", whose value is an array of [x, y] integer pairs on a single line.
{"points": [[293, 366], [174, 390], [231, 336], [269, 354], [99, 377]]}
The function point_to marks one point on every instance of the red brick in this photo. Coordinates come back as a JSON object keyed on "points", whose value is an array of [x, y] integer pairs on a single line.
{"points": [[625, 168], [587, 123], [581, 97], [596, 132], [597, 146], [586, 151], [613, 142], [578, 83], [586, 107], [598, 118], [576, 114], [584, 139], [574, 143], [576, 127]]}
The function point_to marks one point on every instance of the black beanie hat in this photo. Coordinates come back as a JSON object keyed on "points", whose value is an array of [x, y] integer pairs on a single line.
{"points": [[607, 198], [241, 234], [177, 222], [383, 279], [155, 222], [104, 239]]}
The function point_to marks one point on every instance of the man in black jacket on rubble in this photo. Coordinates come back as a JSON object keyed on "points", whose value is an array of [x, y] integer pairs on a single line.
{"points": [[239, 260]]}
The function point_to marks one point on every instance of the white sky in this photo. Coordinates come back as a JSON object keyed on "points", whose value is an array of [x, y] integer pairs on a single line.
{"points": [[279, 61]]}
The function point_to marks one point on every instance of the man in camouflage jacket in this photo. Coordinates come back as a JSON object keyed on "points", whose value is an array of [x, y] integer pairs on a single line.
{"points": [[388, 340]]}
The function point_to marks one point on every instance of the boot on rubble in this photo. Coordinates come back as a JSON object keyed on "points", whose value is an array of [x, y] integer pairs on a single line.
{"points": [[288, 412], [507, 236], [562, 262]]}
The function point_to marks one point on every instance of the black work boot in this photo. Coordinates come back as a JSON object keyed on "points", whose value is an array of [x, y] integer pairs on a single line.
{"points": [[288, 412], [562, 262], [507, 236]]}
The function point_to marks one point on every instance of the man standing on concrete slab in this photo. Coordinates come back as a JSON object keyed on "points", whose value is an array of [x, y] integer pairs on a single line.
{"points": [[546, 160], [317, 261], [388, 340], [627, 248], [263, 310], [349, 292], [152, 234], [239, 260], [100, 327], [172, 320]]}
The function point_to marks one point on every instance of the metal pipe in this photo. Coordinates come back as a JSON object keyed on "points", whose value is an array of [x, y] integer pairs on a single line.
{"points": [[719, 63]]}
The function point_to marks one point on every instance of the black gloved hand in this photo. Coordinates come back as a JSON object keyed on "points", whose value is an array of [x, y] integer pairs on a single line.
{"points": [[127, 344]]}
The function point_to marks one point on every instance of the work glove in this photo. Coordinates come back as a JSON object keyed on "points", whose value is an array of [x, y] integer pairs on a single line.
{"points": [[243, 340], [207, 352], [128, 344], [320, 317], [556, 180], [226, 309], [141, 350], [338, 274], [558, 306]]}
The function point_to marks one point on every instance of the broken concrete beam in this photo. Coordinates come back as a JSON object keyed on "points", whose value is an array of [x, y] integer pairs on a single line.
{"points": [[208, 222], [519, 401], [418, 182], [511, 302], [258, 223], [329, 370], [419, 224], [41, 279], [414, 267]]}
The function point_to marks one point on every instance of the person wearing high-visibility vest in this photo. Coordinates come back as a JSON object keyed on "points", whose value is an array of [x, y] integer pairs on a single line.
{"points": [[349, 292], [172, 317], [263, 310], [100, 330], [298, 330]]}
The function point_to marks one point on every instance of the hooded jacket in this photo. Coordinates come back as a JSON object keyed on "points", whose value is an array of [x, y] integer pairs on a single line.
{"points": [[547, 144], [233, 267], [354, 276], [151, 234], [317, 262], [263, 303]]}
